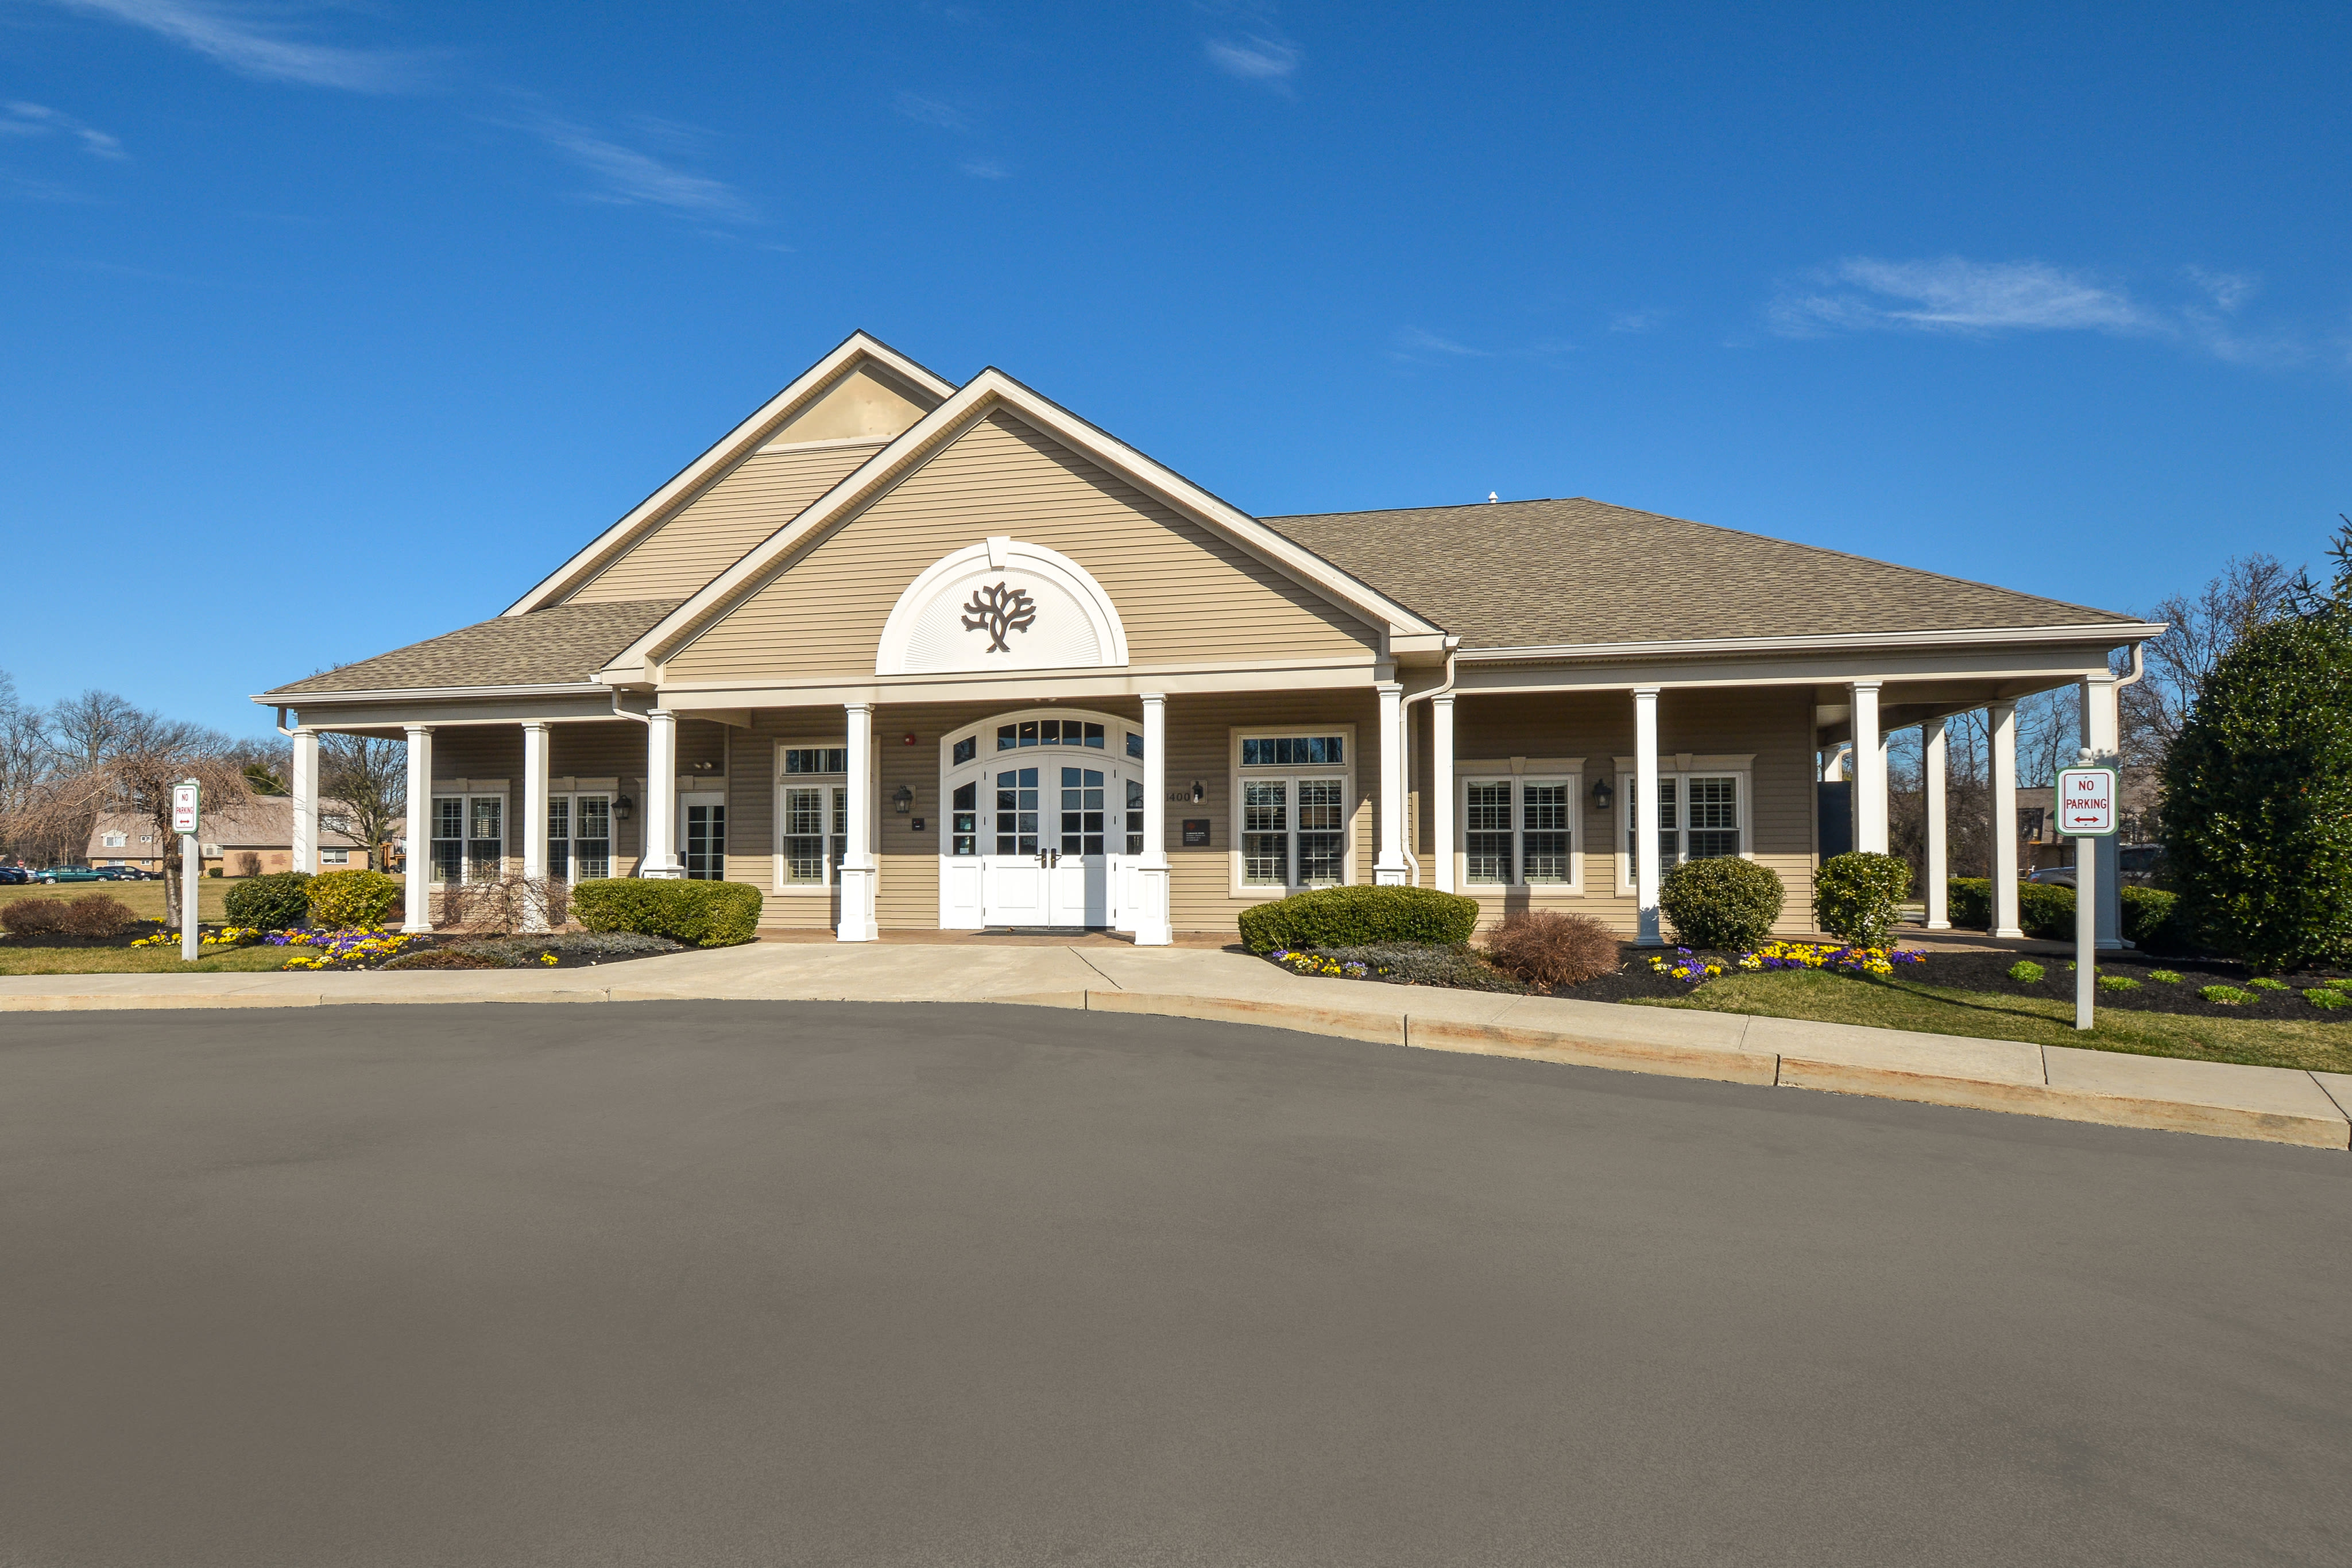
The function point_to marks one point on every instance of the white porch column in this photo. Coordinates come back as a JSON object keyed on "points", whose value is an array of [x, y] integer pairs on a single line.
{"points": [[418, 873], [1932, 757], [534, 814], [1441, 788], [1645, 813], [305, 786], [1152, 926], [2004, 819], [858, 871], [1390, 869], [2103, 734], [661, 796], [1869, 771]]}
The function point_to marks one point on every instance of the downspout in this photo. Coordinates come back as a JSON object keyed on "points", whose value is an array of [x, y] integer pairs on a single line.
{"points": [[1404, 739]]}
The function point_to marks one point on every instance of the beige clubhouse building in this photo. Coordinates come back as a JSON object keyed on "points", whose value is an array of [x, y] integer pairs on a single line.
{"points": [[905, 654]]}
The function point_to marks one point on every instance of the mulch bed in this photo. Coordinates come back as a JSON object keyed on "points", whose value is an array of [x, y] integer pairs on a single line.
{"points": [[573, 949], [1635, 980]]}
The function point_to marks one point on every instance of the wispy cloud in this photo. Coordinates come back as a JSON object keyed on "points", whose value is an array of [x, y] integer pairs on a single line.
{"points": [[1637, 320], [630, 176], [261, 46], [1253, 57], [1953, 295], [39, 119], [1416, 340], [985, 169], [930, 111]]}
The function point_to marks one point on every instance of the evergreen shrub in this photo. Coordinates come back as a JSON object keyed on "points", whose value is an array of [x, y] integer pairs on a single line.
{"points": [[1723, 904], [279, 901], [343, 899], [704, 913], [1857, 896], [1357, 916]]}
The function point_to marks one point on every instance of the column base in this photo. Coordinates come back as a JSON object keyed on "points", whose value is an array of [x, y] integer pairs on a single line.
{"points": [[1938, 925], [661, 873], [856, 923], [1398, 875], [1151, 923], [2013, 933]]}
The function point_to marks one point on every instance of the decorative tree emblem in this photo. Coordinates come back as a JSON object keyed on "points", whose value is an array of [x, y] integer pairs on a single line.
{"points": [[997, 610]]}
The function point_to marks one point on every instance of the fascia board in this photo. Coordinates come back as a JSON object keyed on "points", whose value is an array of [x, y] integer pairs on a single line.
{"points": [[2108, 632], [735, 445], [972, 401], [413, 693]]}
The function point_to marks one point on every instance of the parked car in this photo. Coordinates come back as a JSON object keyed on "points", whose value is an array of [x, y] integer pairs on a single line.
{"points": [[57, 874], [13, 876], [125, 873], [2140, 864], [2057, 876]]}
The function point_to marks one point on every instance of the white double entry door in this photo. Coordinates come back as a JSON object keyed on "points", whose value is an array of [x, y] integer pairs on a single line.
{"points": [[1037, 828]]}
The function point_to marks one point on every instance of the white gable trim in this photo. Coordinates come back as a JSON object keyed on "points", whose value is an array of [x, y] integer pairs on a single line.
{"points": [[1100, 643], [738, 444], [984, 394]]}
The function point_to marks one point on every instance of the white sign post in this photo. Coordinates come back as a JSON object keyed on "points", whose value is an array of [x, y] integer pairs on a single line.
{"points": [[187, 799], [2086, 810]]}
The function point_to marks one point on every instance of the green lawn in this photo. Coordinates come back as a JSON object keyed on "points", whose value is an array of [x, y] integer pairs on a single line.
{"points": [[1937, 1009], [20, 960]]}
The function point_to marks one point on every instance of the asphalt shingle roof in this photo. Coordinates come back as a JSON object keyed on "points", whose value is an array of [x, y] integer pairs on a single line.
{"points": [[564, 642], [1516, 574]]}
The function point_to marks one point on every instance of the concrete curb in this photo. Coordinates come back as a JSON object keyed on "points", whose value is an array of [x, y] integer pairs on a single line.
{"points": [[2270, 1104]]}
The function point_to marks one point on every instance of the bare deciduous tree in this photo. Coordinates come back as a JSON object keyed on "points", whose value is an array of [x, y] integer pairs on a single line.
{"points": [[370, 775], [2201, 629]]}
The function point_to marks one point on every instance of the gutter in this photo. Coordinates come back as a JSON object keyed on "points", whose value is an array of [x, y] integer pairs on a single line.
{"points": [[2111, 631], [1404, 738]]}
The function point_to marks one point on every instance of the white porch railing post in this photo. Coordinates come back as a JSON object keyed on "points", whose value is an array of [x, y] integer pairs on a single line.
{"points": [[858, 871], [1441, 788], [304, 786], [1153, 928], [2003, 717], [661, 796], [1932, 759], [1645, 813], [418, 870]]}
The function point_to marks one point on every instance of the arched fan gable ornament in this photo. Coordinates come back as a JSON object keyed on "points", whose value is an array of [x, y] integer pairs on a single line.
{"points": [[1002, 605]]}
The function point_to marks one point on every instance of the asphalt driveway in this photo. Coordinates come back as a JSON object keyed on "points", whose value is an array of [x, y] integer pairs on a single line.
{"points": [[794, 1283]]}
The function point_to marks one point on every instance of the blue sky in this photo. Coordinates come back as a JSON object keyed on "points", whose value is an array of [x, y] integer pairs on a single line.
{"points": [[330, 326]]}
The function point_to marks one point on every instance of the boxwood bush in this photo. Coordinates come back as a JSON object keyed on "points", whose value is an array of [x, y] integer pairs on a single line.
{"points": [[274, 902], [2047, 910], [706, 913], [1358, 916], [1858, 896], [1723, 902], [346, 898]]}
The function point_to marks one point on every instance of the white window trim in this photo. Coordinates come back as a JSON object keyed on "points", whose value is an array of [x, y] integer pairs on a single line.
{"points": [[777, 880], [470, 790], [1520, 770], [1236, 773], [1682, 766], [571, 822]]}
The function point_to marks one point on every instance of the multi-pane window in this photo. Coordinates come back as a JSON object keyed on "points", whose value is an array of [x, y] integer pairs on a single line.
{"points": [[1699, 818], [1048, 732], [468, 838], [1081, 810], [1016, 811], [1293, 831], [1134, 812], [703, 846], [579, 836], [1518, 831], [1135, 746], [816, 831], [966, 749], [816, 759], [963, 822]]}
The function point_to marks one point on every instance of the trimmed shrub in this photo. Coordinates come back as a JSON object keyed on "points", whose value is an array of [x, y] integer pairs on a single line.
{"points": [[345, 898], [1722, 903], [29, 917], [2258, 796], [1967, 901], [2047, 910], [276, 902], [2152, 920], [1545, 948], [705, 913], [99, 914], [1358, 916], [1858, 896]]}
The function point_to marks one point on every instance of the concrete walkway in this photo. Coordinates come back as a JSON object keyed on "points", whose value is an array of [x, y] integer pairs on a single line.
{"points": [[2276, 1105]]}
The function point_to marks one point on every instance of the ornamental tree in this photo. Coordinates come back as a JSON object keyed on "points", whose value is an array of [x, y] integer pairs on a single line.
{"points": [[2258, 788]]}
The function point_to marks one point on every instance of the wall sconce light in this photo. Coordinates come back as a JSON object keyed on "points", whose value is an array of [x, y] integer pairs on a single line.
{"points": [[623, 808], [903, 801], [1200, 791], [1603, 795], [703, 766]]}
